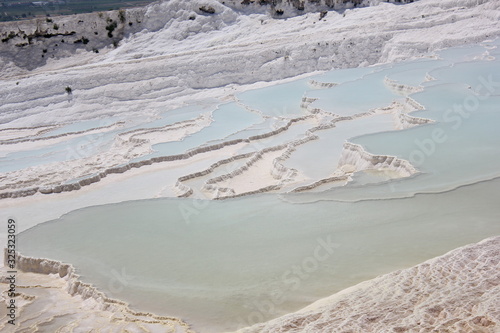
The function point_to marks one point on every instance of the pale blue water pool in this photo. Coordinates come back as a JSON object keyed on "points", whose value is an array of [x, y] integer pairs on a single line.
{"points": [[227, 119], [223, 267], [281, 100], [319, 158]]}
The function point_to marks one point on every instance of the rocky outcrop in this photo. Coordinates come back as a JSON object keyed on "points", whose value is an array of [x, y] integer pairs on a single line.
{"points": [[29, 44], [286, 8], [355, 157]]}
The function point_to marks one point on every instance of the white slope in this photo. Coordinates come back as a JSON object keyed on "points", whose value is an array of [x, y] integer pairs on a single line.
{"points": [[456, 292]]}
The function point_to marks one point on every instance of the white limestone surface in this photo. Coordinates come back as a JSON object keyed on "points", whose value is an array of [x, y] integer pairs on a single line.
{"points": [[456, 292]]}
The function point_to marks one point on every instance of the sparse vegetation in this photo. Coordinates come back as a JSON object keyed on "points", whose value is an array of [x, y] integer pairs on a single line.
{"points": [[82, 40], [111, 27], [68, 90], [121, 15], [207, 9], [10, 36], [55, 26]]}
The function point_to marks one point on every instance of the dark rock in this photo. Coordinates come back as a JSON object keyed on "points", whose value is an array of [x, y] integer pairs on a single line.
{"points": [[207, 9]]}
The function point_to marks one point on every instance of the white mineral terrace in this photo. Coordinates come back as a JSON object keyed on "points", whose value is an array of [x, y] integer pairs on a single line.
{"points": [[222, 171]]}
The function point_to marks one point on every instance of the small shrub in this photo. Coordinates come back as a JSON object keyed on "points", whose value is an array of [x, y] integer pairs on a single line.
{"points": [[111, 27], [68, 89], [207, 9], [56, 27], [10, 36], [82, 40], [121, 15], [48, 20], [279, 12]]}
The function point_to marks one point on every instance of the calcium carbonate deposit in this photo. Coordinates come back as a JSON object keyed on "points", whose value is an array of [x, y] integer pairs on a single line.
{"points": [[253, 166]]}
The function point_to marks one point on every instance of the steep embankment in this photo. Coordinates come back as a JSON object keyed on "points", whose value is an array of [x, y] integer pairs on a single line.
{"points": [[30, 43]]}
